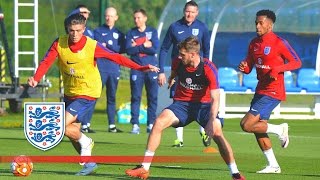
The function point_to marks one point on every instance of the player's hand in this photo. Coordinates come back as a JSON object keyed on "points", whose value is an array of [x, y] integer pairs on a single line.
{"points": [[147, 44], [152, 68], [161, 79], [32, 82], [274, 78], [171, 82], [274, 72], [242, 66], [133, 43]]}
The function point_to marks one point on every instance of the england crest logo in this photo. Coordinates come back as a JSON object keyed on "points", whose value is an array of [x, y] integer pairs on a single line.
{"points": [[149, 35], [195, 32], [267, 50], [44, 124], [115, 35]]}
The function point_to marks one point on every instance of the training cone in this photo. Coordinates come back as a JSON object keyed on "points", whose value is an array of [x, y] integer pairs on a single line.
{"points": [[210, 150]]}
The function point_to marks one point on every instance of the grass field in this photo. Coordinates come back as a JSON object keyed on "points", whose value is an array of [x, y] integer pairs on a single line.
{"points": [[301, 160]]}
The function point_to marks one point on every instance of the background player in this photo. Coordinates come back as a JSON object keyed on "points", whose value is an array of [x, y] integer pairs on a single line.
{"points": [[142, 44], [187, 26], [112, 38]]}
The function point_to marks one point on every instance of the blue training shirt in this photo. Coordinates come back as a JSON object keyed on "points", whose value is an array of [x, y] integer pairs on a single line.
{"points": [[179, 31], [140, 54], [114, 40]]}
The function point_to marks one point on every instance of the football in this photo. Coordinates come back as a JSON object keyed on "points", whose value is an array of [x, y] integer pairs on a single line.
{"points": [[21, 166]]}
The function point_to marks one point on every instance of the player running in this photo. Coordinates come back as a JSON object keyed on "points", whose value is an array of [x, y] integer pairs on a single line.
{"points": [[271, 55]]}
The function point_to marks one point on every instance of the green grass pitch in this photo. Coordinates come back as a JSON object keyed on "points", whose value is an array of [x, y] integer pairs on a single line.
{"points": [[301, 160]]}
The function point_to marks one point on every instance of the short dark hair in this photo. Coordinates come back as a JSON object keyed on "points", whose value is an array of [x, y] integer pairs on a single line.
{"points": [[74, 19], [266, 12], [191, 44], [190, 3], [81, 6], [142, 11]]}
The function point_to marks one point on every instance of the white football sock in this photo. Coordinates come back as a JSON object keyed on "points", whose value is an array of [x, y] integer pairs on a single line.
{"points": [[84, 126], [148, 155], [275, 129], [233, 168], [112, 126], [84, 140], [271, 158], [201, 129], [179, 132]]}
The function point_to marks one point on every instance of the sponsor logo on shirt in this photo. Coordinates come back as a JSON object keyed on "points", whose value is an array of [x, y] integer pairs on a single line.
{"points": [[71, 62]]}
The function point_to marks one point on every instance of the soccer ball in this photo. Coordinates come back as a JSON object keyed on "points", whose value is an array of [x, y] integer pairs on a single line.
{"points": [[21, 166]]}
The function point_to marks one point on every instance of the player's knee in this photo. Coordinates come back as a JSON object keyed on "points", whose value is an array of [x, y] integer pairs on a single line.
{"points": [[217, 134], [245, 127], [159, 126]]}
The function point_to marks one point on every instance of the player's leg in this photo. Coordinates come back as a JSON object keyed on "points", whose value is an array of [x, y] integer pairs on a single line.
{"points": [[179, 130], [151, 85], [168, 117], [76, 111], [111, 90], [213, 128], [76, 145], [224, 147], [206, 140], [179, 141], [136, 85], [256, 121], [165, 120], [87, 120]]}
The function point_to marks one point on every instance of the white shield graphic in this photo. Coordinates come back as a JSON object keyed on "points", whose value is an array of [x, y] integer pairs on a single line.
{"points": [[149, 35], [115, 35], [44, 123], [195, 32]]}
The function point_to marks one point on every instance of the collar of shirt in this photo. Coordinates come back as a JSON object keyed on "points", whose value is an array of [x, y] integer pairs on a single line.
{"points": [[75, 47], [267, 36]]}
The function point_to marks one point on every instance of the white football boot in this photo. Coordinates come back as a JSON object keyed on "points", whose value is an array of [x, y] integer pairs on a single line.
{"points": [[270, 170]]}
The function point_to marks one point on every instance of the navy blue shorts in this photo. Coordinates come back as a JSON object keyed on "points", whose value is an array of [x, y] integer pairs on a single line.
{"points": [[187, 112], [263, 105], [80, 107]]}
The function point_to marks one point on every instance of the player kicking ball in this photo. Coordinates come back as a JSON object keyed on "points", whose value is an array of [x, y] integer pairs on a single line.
{"points": [[76, 59], [196, 99]]}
